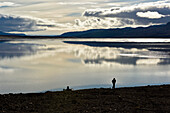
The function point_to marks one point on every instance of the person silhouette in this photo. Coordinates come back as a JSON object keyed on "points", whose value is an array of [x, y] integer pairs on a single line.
{"points": [[114, 83]]}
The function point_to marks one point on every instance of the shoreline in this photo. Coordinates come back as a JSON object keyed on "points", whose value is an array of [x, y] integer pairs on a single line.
{"points": [[61, 37], [151, 99], [80, 88]]}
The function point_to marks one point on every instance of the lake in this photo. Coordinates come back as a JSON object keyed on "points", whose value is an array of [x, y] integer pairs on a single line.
{"points": [[37, 65]]}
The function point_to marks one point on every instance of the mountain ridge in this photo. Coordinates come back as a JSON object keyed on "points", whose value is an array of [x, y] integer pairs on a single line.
{"points": [[156, 31]]}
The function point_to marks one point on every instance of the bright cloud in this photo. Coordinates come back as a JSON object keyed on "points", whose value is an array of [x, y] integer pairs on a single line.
{"points": [[149, 14], [94, 22], [7, 4], [135, 15]]}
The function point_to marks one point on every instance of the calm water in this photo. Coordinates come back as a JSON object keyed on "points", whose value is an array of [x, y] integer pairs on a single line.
{"points": [[50, 64]]}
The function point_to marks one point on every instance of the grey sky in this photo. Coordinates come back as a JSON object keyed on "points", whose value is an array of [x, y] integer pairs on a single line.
{"points": [[52, 17]]}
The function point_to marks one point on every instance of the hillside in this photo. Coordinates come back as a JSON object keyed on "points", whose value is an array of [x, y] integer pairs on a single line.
{"points": [[140, 32]]}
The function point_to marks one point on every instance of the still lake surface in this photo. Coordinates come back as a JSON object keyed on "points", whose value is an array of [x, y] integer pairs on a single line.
{"points": [[35, 65]]}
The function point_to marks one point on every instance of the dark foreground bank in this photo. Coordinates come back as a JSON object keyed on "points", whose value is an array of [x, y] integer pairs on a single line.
{"points": [[149, 99]]}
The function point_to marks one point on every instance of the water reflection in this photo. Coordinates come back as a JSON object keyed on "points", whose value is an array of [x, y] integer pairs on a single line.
{"points": [[37, 65], [128, 61], [10, 50], [124, 53]]}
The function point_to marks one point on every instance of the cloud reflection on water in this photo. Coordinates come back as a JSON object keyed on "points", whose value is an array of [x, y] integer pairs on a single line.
{"points": [[6, 70], [11, 50], [51, 64], [121, 53], [89, 55]]}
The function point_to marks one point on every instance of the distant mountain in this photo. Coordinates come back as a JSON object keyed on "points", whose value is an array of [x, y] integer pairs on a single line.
{"points": [[10, 34], [158, 31]]}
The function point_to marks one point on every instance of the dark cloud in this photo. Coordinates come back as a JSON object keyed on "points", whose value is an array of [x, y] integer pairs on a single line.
{"points": [[140, 14], [74, 14], [10, 23]]}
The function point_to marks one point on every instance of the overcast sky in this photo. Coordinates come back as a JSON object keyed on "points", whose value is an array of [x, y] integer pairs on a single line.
{"points": [[53, 17]]}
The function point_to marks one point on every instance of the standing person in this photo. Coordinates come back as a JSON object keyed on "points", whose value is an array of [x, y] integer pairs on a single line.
{"points": [[114, 83]]}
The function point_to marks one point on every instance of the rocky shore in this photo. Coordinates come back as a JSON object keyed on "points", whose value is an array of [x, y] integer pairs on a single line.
{"points": [[147, 99]]}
